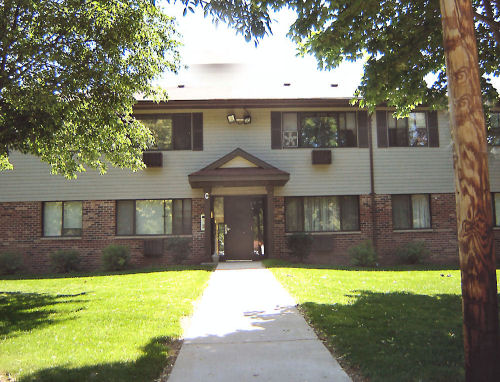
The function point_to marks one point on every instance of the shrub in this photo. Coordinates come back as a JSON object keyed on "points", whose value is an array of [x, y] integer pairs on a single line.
{"points": [[10, 263], [300, 245], [180, 248], [65, 260], [413, 252], [115, 257], [363, 254]]}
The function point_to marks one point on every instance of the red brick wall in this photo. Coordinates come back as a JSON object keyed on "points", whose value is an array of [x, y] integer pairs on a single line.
{"points": [[21, 232], [441, 239]]}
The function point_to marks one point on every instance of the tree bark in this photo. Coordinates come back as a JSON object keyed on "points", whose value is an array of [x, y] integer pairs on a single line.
{"points": [[474, 208]]}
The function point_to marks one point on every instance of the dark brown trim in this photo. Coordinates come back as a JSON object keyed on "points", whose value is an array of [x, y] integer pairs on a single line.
{"points": [[244, 103], [269, 222], [238, 152], [201, 181]]}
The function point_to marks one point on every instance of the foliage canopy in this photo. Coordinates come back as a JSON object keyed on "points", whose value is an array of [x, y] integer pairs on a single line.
{"points": [[69, 74], [401, 41]]}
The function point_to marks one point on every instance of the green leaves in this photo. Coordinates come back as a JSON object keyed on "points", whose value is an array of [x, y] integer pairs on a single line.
{"points": [[69, 74], [401, 41]]}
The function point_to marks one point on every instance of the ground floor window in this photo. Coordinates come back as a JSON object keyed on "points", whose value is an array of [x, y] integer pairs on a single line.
{"points": [[62, 218], [411, 211], [322, 213], [153, 217]]}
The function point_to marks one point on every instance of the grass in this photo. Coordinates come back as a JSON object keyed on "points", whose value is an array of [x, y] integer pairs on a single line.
{"points": [[398, 324], [108, 327]]}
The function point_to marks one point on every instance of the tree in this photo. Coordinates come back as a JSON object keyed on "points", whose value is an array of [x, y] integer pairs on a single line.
{"points": [[69, 74], [404, 42], [401, 41]]}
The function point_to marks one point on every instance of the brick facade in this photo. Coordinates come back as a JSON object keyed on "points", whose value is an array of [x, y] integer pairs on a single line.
{"points": [[21, 231], [376, 225]]}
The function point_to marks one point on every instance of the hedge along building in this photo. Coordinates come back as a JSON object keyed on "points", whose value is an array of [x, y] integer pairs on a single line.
{"points": [[238, 173]]}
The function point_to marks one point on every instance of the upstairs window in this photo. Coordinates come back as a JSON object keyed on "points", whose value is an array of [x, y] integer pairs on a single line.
{"points": [[175, 131], [408, 132], [411, 211], [420, 129], [62, 219], [153, 217], [319, 129], [494, 129]]}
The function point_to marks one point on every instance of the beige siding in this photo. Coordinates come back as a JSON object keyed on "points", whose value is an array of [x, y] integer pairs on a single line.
{"points": [[406, 170], [348, 174], [494, 164]]}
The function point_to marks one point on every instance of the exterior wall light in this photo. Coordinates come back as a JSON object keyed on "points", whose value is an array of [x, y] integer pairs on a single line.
{"points": [[247, 119]]}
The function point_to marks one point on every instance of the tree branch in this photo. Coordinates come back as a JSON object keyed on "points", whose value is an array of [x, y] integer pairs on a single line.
{"points": [[490, 21]]}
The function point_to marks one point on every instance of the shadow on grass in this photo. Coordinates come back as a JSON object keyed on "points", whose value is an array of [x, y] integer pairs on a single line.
{"points": [[23, 312], [174, 268], [395, 336], [146, 368], [278, 263]]}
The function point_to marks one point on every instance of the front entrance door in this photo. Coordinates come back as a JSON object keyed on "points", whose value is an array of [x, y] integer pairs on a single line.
{"points": [[238, 240]]}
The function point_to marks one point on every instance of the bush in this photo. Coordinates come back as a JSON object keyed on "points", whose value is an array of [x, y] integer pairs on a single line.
{"points": [[300, 245], [363, 254], [65, 260], [115, 257], [180, 248], [413, 252], [10, 263]]}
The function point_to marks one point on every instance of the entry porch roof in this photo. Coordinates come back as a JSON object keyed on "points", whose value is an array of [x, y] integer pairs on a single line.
{"points": [[238, 169]]}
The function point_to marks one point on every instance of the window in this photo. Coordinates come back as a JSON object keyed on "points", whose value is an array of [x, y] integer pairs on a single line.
{"points": [[494, 129], [319, 129], [411, 211], [408, 132], [322, 213], [170, 131], [496, 209], [153, 217], [62, 219]]}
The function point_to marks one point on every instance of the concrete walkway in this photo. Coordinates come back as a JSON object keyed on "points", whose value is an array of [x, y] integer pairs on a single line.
{"points": [[246, 328]]}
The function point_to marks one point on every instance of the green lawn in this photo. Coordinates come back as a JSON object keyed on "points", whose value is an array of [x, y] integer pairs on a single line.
{"points": [[391, 325], [95, 327]]}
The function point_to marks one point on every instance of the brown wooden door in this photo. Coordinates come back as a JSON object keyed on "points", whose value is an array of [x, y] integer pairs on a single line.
{"points": [[238, 240]]}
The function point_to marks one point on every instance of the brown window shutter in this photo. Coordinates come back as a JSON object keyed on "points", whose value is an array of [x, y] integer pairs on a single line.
{"points": [[197, 131], [276, 130], [432, 120], [363, 129], [382, 128]]}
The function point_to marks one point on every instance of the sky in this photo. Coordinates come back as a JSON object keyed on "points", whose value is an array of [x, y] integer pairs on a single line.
{"points": [[273, 62], [257, 70]]}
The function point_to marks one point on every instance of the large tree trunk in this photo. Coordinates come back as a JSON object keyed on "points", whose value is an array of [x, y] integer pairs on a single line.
{"points": [[474, 208]]}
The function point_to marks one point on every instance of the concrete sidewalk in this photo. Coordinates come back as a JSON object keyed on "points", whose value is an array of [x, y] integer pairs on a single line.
{"points": [[246, 328]]}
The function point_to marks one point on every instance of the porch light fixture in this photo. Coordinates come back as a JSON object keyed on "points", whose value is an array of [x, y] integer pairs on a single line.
{"points": [[247, 119]]}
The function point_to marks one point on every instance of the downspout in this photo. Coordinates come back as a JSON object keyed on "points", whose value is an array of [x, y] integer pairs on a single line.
{"points": [[372, 184]]}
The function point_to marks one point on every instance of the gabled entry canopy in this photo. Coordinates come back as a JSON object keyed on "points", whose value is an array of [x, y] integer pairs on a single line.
{"points": [[238, 169]]}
